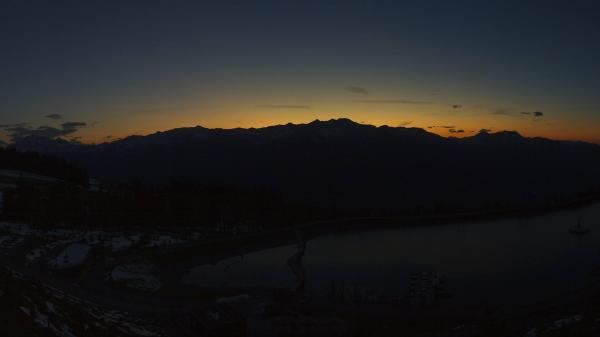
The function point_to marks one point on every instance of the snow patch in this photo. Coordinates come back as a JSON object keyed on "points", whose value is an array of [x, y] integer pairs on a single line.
{"points": [[120, 244], [73, 256], [136, 277], [163, 240]]}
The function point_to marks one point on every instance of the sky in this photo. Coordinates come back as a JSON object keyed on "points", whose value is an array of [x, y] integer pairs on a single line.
{"points": [[95, 71]]}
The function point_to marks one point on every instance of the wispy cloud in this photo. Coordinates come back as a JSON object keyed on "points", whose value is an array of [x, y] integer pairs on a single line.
{"points": [[54, 116], [73, 126], [10, 126], [536, 114], [512, 113], [442, 127], [24, 130], [110, 138], [405, 123], [357, 90], [283, 106], [392, 101]]}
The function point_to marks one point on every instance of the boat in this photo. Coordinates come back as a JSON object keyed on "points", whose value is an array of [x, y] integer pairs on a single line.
{"points": [[578, 229]]}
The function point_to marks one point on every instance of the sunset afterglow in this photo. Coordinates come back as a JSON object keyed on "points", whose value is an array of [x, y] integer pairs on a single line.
{"points": [[136, 71]]}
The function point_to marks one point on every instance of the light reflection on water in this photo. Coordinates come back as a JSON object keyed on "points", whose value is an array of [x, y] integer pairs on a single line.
{"points": [[519, 259]]}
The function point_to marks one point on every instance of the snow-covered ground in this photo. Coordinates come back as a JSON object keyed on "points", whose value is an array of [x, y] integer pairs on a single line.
{"points": [[74, 255], [163, 240], [26, 175], [34, 255], [136, 277], [113, 241], [68, 316], [120, 243], [44, 250], [10, 241], [17, 228]]}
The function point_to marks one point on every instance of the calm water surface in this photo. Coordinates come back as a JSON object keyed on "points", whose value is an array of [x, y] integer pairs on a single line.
{"points": [[519, 260]]}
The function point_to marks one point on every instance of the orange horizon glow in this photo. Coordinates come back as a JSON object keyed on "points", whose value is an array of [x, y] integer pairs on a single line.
{"points": [[435, 117], [470, 129]]}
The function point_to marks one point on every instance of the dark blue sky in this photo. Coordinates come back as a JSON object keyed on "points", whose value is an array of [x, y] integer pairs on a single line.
{"points": [[125, 67]]}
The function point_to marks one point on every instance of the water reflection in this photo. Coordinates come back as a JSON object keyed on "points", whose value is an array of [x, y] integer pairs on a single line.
{"points": [[296, 265]]}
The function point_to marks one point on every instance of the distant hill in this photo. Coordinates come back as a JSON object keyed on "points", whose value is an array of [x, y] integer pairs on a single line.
{"points": [[340, 163]]}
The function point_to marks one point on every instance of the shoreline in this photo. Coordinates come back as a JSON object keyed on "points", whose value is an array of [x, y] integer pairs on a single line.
{"points": [[219, 249], [450, 218]]}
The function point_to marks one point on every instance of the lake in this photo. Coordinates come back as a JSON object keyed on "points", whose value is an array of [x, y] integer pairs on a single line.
{"points": [[510, 261]]}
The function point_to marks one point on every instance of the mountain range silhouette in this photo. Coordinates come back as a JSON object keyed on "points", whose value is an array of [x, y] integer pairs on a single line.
{"points": [[340, 163]]}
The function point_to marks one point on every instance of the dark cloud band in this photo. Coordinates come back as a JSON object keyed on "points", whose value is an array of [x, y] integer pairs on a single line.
{"points": [[20, 131], [357, 90]]}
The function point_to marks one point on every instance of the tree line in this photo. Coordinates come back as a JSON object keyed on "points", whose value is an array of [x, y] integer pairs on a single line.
{"points": [[45, 165], [173, 205]]}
